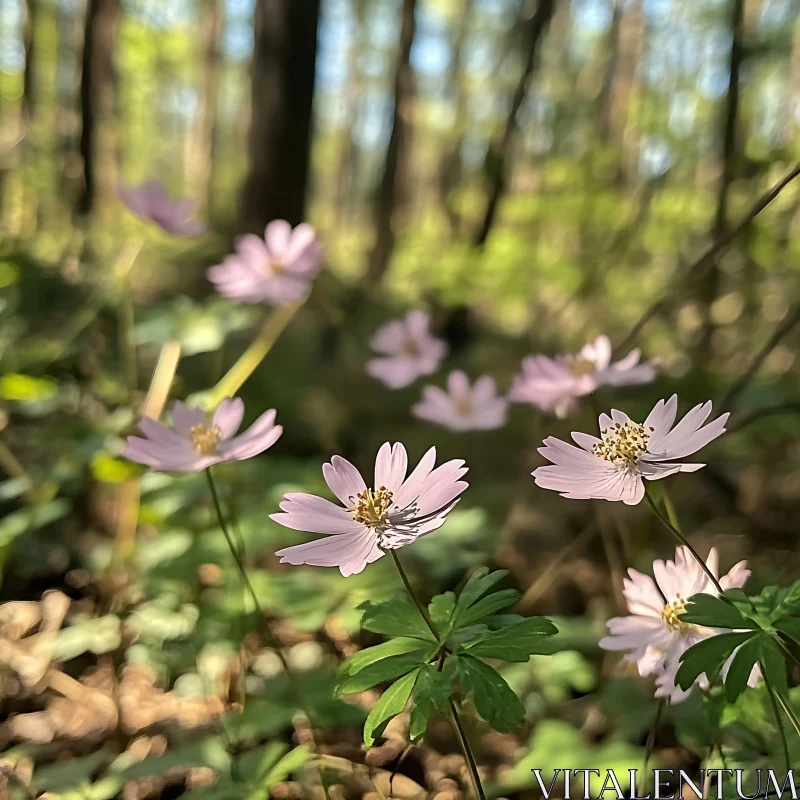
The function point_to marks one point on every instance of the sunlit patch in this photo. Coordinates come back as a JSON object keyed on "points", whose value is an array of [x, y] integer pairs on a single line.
{"points": [[623, 445], [371, 507], [205, 438]]}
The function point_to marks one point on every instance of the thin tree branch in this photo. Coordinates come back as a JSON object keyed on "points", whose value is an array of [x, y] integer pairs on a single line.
{"points": [[702, 264], [789, 407]]}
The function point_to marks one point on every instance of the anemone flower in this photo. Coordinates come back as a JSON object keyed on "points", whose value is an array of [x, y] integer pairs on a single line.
{"points": [[396, 512], [278, 269], [613, 466], [197, 443], [152, 202], [554, 384], [408, 350], [653, 634], [463, 407]]}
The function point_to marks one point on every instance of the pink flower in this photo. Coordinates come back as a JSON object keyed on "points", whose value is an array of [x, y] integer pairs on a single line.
{"points": [[463, 407], [151, 201], [553, 385], [612, 467], [395, 513], [409, 351], [653, 634], [277, 269], [196, 443]]}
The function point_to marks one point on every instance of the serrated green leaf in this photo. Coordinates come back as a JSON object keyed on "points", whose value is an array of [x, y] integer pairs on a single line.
{"points": [[788, 600], [517, 642], [487, 606], [441, 610], [494, 699], [790, 626], [369, 655], [396, 617], [774, 665], [714, 612], [386, 669], [708, 656], [478, 584], [432, 690], [741, 666], [392, 702]]}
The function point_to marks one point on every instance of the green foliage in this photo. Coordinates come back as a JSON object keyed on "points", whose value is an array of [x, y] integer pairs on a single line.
{"points": [[392, 702], [432, 690], [517, 642], [494, 699], [715, 612], [396, 617], [708, 656]]}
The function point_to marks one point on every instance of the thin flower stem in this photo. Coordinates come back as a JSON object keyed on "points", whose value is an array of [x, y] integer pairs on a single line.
{"points": [[648, 748], [669, 507], [789, 711], [776, 713], [683, 540], [273, 327], [272, 640], [459, 728]]}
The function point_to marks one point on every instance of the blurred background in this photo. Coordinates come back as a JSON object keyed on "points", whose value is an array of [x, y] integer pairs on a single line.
{"points": [[533, 173]]}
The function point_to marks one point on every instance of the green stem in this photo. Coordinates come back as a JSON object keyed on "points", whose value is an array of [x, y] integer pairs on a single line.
{"points": [[651, 740], [682, 539], [459, 728], [669, 507], [776, 713]]}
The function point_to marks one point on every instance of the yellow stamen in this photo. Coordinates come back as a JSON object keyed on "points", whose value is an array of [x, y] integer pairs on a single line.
{"points": [[580, 366], [623, 445], [205, 438], [671, 616], [371, 507]]}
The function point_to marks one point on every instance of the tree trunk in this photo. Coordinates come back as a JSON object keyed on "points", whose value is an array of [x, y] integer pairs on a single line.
{"points": [[499, 155], [284, 63], [29, 76], [397, 151], [97, 87], [728, 158]]}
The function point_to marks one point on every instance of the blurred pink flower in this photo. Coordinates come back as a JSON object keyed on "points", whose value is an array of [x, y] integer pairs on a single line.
{"points": [[152, 202], [612, 467], [553, 384], [463, 407], [196, 443], [395, 513], [653, 633], [409, 351], [277, 269]]}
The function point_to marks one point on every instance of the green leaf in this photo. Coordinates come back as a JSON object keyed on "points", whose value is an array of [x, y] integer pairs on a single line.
{"points": [[432, 691], [789, 601], [774, 665], [790, 626], [386, 669], [708, 656], [518, 642], [741, 666], [486, 606], [714, 612], [494, 699], [478, 584], [392, 702], [441, 610], [369, 655], [396, 617]]}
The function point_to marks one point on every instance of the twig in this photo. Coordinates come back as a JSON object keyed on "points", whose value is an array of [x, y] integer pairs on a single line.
{"points": [[702, 264], [787, 323], [789, 407]]}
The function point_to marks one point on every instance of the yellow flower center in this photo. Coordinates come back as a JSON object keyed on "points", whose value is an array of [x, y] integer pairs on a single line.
{"points": [[623, 445], [371, 507], [205, 438], [463, 406], [671, 616], [580, 366]]}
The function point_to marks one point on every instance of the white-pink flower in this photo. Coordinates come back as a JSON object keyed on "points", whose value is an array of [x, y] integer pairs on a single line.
{"points": [[197, 442], [408, 351], [396, 512], [152, 202], [463, 407], [653, 634], [613, 467], [277, 269], [554, 384]]}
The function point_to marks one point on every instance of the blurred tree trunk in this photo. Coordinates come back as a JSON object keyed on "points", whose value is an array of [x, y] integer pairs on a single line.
{"points": [[284, 63], [347, 172], [386, 197], [451, 167], [98, 81], [203, 140], [29, 76], [498, 157], [709, 288]]}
